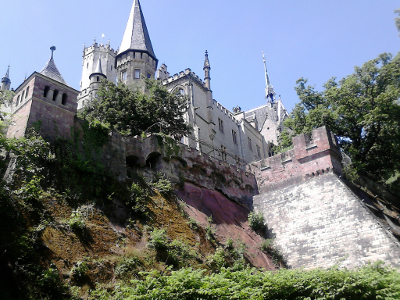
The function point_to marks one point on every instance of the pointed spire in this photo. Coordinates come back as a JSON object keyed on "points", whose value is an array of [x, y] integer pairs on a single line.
{"points": [[269, 88], [7, 73], [50, 69], [98, 68], [207, 68], [136, 36], [5, 81], [206, 61]]}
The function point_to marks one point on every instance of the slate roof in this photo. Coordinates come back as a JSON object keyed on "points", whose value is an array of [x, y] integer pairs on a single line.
{"points": [[50, 70], [136, 36]]}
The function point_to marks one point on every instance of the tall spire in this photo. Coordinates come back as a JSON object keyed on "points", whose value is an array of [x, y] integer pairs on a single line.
{"points": [[207, 68], [269, 88], [50, 69], [5, 81], [136, 36]]}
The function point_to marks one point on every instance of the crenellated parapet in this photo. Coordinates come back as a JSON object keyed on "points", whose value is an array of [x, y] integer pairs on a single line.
{"points": [[184, 74], [99, 48], [311, 156]]}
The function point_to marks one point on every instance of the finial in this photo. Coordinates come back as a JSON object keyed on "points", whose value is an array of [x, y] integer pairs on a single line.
{"points": [[52, 48], [94, 41]]}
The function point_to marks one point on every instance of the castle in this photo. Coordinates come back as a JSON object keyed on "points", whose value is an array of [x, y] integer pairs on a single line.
{"points": [[232, 136], [316, 217]]}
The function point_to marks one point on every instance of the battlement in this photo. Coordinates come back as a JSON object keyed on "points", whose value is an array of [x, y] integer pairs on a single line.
{"points": [[311, 156], [187, 72], [99, 47], [225, 111]]}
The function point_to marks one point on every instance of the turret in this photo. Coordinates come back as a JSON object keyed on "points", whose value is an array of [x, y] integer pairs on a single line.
{"points": [[95, 79], [207, 69], [136, 58], [5, 81]]}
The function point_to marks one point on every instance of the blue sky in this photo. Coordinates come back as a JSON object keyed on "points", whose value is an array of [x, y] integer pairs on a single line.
{"points": [[304, 38]]}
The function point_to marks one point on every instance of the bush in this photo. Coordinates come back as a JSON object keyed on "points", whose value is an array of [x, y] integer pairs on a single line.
{"points": [[193, 223], [79, 271], [126, 266], [137, 199], [77, 221], [256, 220], [158, 239], [161, 183]]}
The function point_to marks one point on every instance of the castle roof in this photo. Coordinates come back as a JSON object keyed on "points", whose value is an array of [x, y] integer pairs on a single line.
{"points": [[50, 70], [7, 73], [136, 36]]}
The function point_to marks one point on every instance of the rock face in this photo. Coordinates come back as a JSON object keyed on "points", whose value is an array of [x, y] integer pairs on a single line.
{"points": [[229, 220]]}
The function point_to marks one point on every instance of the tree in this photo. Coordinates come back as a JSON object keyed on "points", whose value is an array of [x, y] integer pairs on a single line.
{"points": [[360, 109], [397, 19], [132, 112]]}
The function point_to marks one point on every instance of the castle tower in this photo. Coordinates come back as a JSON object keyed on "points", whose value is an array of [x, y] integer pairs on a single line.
{"points": [[136, 58], [91, 56], [207, 69], [5, 81], [95, 79], [47, 99], [269, 88]]}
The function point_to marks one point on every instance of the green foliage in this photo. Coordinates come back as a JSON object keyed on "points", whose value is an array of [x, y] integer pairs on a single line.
{"points": [[193, 223], [79, 271], [256, 221], [210, 231], [397, 19], [360, 109], [138, 199], [368, 282], [131, 112], [158, 239], [268, 247], [77, 221], [125, 267], [161, 183]]}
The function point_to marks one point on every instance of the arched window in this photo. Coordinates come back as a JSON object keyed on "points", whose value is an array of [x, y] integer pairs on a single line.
{"points": [[98, 78], [17, 101], [55, 94], [27, 91], [46, 91], [64, 99], [22, 97]]}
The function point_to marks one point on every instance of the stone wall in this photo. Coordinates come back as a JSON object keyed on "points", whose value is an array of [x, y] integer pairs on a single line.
{"points": [[318, 222], [311, 156]]}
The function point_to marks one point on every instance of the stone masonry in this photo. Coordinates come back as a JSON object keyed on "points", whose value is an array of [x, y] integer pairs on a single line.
{"points": [[314, 217]]}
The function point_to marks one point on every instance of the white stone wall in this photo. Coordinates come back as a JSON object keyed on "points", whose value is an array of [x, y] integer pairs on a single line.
{"points": [[320, 222]]}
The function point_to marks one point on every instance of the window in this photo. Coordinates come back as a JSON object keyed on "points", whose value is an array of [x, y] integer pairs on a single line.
{"points": [[249, 142], [137, 74], [27, 91], [64, 99], [98, 78], [148, 75], [111, 68], [46, 91], [17, 101], [87, 65], [221, 125], [22, 97], [224, 156], [258, 150], [55, 94], [234, 137], [123, 76]]}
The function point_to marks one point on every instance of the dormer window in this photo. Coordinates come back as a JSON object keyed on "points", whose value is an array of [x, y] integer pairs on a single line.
{"points": [[137, 74]]}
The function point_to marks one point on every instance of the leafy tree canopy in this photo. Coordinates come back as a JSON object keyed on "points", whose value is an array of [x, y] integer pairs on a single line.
{"points": [[132, 112], [397, 19], [361, 110]]}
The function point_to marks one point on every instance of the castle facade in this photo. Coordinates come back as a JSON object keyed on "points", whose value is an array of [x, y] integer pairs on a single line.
{"points": [[233, 136]]}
